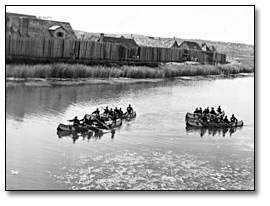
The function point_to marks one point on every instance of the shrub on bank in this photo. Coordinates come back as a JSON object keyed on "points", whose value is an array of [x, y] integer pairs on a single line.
{"points": [[62, 70]]}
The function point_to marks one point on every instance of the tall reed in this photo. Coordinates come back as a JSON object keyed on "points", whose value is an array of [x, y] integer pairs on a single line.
{"points": [[73, 71]]}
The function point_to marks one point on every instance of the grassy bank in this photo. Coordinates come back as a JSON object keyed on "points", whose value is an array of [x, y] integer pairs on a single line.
{"points": [[62, 70]]}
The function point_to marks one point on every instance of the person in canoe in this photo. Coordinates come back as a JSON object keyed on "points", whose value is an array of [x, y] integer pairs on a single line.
{"points": [[116, 111], [219, 110], [196, 111], [88, 121], [205, 111], [200, 111], [129, 109], [114, 117], [226, 120], [233, 119], [99, 120], [215, 120], [96, 112], [106, 111], [220, 118], [204, 119], [213, 111], [120, 112], [75, 121], [111, 112]]}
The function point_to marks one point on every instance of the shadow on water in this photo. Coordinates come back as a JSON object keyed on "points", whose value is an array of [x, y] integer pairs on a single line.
{"points": [[227, 131]]}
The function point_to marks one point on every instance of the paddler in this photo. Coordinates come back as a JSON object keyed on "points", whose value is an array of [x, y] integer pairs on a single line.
{"points": [[233, 119], [219, 110], [75, 121]]}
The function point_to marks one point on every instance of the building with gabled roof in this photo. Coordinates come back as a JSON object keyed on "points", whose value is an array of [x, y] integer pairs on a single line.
{"points": [[129, 43], [189, 45], [30, 26]]}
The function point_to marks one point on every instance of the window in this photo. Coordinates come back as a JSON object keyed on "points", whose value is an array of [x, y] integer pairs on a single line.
{"points": [[60, 34]]}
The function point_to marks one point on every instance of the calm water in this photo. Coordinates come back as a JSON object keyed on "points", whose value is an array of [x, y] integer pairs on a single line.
{"points": [[153, 151]]}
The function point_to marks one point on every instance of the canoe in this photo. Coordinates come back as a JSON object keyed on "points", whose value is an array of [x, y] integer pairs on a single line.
{"points": [[107, 125], [125, 116], [129, 116], [198, 123], [196, 116], [193, 116], [70, 127], [112, 124]]}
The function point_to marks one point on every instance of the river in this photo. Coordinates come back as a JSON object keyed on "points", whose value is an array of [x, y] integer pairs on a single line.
{"points": [[154, 151]]}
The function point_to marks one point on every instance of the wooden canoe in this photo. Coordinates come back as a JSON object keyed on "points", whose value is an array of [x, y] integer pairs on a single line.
{"points": [[196, 116], [198, 123], [125, 116], [70, 127]]}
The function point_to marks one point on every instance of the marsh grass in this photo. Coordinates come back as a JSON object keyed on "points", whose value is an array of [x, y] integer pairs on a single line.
{"points": [[73, 71]]}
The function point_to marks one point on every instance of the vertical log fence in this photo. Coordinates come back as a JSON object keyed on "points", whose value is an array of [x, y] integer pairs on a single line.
{"points": [[52, 48]]}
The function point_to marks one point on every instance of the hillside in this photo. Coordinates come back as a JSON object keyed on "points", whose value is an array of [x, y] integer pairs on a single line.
{"points": [[228, 48]]}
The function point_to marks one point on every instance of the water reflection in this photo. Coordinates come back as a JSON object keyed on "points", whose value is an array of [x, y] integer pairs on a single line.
{"points": [[33, 113], [212, 131], [90, 135], [57, 99]]}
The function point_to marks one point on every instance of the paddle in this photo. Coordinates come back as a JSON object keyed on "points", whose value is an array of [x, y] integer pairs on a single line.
{"points": [[226, 123], [80, 126], [102, 123]]}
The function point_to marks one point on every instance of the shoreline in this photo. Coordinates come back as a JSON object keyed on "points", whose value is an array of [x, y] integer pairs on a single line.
{"points": [[78, 74], [11, 81]]}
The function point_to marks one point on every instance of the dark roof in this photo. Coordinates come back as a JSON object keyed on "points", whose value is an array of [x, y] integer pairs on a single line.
{"points": [[129, 43], [192, 45]]}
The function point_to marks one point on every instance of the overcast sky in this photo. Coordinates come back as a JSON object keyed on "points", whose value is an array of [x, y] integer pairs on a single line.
{"points": [[217, 23]]}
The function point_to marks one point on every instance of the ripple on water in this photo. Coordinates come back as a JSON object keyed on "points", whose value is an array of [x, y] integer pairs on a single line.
{"points": [[154, 170]]}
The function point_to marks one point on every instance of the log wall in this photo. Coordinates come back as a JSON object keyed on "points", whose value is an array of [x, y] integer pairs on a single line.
{"points": [[52, 48]]}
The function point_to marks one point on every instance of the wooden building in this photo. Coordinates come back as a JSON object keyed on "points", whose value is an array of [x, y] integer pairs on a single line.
{"points": [[128, 43], [189, 45], [30, 26], [45, 40], [58, 31], [57, 49], [157, 42]]}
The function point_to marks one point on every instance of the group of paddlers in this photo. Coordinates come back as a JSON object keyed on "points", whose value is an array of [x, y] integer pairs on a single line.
{"points": [[217, 116], [96, 117]]}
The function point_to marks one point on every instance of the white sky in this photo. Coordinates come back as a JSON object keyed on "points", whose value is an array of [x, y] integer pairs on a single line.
{"points": [[217, 23]]}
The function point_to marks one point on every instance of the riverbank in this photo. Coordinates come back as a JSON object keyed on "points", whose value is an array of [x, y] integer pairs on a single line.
{"points": [[81, 74], [84, 81]]}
